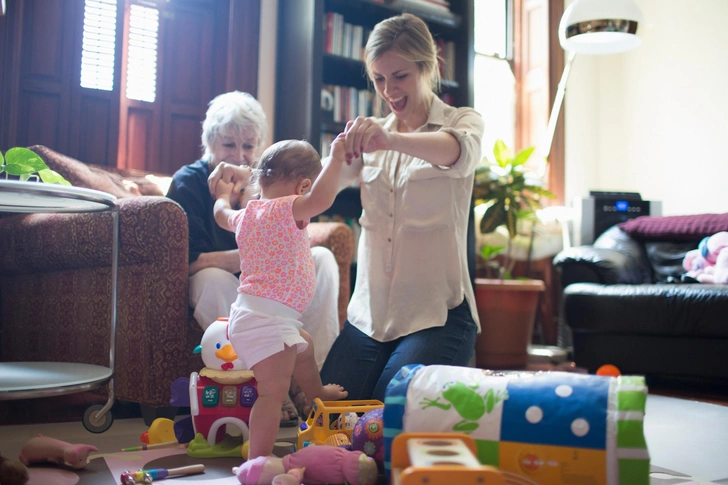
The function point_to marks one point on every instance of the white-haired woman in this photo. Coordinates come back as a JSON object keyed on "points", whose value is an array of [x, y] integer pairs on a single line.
{"points": [[234, 128]]}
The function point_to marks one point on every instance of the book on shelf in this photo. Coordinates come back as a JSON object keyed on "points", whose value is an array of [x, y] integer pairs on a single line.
{"points": [[342, 38], [345, 103], [446, 58]]}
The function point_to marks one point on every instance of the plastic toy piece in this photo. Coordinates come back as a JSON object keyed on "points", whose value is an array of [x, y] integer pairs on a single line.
{"points": [[148, 476], [439, 459], [154, 446], [43, 449], [324, 419], [609, 370]]}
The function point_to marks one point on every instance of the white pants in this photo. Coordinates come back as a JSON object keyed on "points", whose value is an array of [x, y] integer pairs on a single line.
{"points": [[213, 291]]}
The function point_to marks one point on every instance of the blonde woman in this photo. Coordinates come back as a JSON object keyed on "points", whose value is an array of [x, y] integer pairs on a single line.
{"points": [[413, 301]]}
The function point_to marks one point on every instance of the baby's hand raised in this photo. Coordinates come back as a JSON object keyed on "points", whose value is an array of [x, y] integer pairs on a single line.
{"points": [[338, 149]]}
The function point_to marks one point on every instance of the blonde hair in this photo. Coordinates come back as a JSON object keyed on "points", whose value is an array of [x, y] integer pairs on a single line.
{"points": [[288, 160], [409, 37], [236, 111]]}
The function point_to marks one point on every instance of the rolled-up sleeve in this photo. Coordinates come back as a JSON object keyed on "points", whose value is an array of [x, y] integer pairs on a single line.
{"points": [[467, 126]]}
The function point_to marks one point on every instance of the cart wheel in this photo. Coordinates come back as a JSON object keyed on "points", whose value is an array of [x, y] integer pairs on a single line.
{"points": [[97, 425]]}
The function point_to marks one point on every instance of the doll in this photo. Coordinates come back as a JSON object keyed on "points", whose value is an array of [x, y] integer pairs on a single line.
{"points": [[318, 464], [43, 449]]}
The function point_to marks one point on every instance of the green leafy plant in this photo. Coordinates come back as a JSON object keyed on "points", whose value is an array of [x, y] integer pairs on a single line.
{"points": [[512, 194], [26, 164]]}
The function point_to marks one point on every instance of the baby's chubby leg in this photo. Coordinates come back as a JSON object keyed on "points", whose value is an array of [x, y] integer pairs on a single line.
{"points": [[273, 375], [307, 375]]}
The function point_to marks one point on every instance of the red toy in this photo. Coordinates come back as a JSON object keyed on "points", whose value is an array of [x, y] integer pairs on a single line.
{"points": [[43, 449]]}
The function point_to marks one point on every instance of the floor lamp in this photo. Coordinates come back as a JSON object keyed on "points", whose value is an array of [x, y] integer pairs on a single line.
{"points": [[593, 27]]}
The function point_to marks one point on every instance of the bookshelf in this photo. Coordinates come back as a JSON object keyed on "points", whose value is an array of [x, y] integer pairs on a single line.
{"points": [[304, 67]]}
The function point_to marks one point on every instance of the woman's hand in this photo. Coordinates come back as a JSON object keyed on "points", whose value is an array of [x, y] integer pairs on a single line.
{"points": [[237, 175], [365, 135]]}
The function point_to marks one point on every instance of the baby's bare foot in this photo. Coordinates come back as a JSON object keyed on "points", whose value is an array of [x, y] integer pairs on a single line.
{"points": [[333, 392]]}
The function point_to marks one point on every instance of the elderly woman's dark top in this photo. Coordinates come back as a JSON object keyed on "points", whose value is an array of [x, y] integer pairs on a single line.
{"points": [[189, 189]]}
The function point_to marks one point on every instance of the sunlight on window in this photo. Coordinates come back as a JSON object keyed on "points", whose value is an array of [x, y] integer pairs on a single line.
{"points": [[495, 100], [491, 28], [99, 36], [141, 73]]}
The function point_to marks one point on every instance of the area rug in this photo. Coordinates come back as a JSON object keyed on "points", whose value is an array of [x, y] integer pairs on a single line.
{"points": [[107, 469]]}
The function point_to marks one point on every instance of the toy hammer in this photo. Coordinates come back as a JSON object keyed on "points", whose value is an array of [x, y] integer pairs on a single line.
{"points": [[148, 476]]}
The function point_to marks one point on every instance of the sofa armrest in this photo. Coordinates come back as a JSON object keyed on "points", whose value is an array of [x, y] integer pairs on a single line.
{"points": [[339, 238], [51, 242], [589, 264]]}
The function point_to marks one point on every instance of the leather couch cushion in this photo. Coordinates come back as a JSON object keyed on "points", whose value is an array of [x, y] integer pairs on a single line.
{"points": [[668, 310], [675, 228]]}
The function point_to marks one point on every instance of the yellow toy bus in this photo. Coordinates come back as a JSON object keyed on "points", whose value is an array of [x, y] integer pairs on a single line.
{"points": [[328, 418]]}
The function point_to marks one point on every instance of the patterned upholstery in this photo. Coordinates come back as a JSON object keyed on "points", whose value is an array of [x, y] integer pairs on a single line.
{"points": [[55, 286]]}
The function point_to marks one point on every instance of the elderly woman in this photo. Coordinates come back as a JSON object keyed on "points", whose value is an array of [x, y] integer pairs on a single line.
{"points": [[234, 128]]}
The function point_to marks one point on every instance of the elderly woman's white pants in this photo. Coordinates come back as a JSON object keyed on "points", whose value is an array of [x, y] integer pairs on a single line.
{"points": [[213, 291]]}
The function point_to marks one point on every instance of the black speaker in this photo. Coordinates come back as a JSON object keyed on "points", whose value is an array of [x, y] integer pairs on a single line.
{"points": [[602, 210]]}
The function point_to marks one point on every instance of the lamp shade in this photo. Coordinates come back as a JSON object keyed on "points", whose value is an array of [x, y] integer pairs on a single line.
{"points": [[600, 26]]}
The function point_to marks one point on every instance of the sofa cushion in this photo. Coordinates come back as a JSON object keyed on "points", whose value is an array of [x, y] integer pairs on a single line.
{"points": [[81, 174], [675, 228]]}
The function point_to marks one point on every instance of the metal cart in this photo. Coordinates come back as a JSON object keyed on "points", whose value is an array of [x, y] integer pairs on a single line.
{"points": [[22, 380]]}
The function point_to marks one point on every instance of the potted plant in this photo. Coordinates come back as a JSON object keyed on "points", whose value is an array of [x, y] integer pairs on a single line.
{"points": [[506, 306], [26, 164]]}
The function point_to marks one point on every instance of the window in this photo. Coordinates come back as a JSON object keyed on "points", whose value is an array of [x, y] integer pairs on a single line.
{"points": [[495, 83], [141, 69], [97, 56]]}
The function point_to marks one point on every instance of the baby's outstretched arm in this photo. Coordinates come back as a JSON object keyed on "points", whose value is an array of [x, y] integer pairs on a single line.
{"points": [[222, 208], [325, 187]]}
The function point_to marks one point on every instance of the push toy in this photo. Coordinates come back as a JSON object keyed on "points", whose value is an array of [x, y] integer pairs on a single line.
{"points": [[42, 449], [148, 476], [222, 393], [439, 459]]}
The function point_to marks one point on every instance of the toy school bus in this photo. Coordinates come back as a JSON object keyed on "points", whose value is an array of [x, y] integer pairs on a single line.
{"points": [[328, 418]]}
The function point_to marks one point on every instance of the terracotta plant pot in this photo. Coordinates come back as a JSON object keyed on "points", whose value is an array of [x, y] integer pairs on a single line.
{"points": [[507, 311]]}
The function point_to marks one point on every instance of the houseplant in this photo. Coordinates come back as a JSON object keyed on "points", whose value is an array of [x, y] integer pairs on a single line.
{"points": [[507, 307], [24, 164]]}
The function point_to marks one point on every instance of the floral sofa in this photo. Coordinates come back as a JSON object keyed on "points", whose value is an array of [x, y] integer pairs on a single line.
{"points": [[55, 283]]}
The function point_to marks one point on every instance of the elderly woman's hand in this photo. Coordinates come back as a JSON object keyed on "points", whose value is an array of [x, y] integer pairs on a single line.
{"points": [[238, 175]]}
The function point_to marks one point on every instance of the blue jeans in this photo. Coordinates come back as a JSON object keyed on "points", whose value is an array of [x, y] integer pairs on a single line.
{"points": [[365, 366]]}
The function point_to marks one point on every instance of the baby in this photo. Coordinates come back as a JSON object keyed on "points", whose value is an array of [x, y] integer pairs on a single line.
{"points": [[277, 277]]}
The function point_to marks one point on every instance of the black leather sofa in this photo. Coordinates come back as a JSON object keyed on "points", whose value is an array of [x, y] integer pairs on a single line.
{"points": [[625, 304]]}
